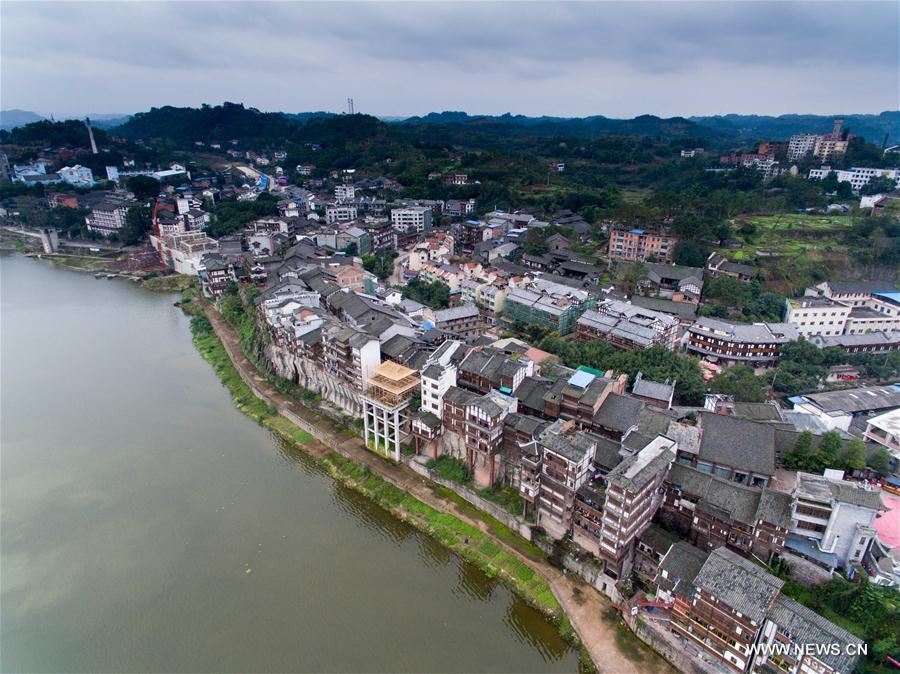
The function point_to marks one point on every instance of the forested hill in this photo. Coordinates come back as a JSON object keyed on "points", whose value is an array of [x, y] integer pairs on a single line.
{"points": [[582, 127], [759, 127], [220, 123]]}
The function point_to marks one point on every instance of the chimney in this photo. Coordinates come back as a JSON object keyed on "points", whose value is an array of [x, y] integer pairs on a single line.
{"points": [[87, 121], [836, 134]]}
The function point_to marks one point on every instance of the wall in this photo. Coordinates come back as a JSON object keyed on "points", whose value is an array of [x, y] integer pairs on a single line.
{"points": [[313, 378]]}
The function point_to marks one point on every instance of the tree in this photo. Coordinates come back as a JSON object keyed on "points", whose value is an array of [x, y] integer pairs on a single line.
{"points": [[741, 382], [690, 253], [729, 291], [381, 263], [878, 185], [830, 450], [137, 223], [631, 276], [854, 456], [145, 188], [801, 455], [880, 461]]}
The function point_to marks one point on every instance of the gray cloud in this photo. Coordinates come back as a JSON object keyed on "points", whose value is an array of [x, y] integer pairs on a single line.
{"points": [[572, 58]]}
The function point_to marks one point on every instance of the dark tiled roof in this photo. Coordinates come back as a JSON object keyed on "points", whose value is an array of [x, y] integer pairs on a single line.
{"points": [[737, 443], [618, 412], [658, 538], [679, 568], [738, 583], [805, 626]]}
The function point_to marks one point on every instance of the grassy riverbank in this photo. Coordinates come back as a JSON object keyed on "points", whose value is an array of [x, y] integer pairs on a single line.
{"points": [[475, 545], [170, 283]]}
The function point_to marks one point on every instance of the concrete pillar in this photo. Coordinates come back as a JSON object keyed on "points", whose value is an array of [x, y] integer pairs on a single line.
{"points": [[397, 436], [366, 421]]}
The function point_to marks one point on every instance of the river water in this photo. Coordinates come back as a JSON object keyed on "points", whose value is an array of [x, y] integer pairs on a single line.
{"points": [[147, 525]]}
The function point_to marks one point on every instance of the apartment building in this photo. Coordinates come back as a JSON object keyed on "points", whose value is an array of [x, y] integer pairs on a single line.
{"points": [[757, 345], [858, 177], [712, 512], [833, 520], [639, 245], [463, 322], [628, 327], [411, 219], [822, 146], [381, 233], [631, 500], [439, 374], [553, 305], [337, 214], [565, 462], [344, 192], [349, 354], [107, 218], [817, 316]]}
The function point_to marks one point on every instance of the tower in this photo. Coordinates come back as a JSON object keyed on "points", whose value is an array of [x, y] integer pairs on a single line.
{"points": [[349, 106], [87, 121], [838, 123]]}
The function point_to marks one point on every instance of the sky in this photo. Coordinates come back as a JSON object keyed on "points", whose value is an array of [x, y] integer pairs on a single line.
{"points": [[618, 59]]}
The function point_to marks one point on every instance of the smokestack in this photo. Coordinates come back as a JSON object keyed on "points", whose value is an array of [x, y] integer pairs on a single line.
{"points": [[836, 134], [87, 121]]}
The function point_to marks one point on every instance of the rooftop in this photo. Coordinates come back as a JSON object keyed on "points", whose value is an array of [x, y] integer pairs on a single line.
{"points": [[738, 583]]}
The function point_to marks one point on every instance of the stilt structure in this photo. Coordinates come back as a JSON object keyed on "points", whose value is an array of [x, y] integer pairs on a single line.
{"points": [[386, 407]]}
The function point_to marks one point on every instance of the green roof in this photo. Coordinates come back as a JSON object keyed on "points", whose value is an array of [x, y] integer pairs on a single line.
{"points": [[590, 370]]}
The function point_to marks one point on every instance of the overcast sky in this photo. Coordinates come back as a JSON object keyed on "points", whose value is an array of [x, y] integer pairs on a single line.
{"points": [[406, 58]]}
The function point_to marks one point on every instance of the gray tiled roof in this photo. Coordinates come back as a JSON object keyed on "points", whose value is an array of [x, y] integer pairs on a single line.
{"points": [[618, 412], [658, 538], [805, 626], [738, 583], [737, 443], [858, 399], [679, 568], [638, 470], [653, 389]]}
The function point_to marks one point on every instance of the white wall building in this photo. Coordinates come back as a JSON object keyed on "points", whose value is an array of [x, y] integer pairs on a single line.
{"points": [[336, 214], [858, 177], [411, 219]]}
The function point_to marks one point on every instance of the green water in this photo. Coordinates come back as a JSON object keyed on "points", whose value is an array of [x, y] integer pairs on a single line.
{"points": [[134, 498]]}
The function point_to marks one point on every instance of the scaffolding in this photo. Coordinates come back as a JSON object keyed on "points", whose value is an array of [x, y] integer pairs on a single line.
{"points": [[386, 415]]}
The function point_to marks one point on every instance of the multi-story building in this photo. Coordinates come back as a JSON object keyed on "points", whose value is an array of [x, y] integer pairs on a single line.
{"points": [[884, 429], [457, 207], [484, 369], [822, 146], [344, 192], [867, 342], [463, 322], [381, 232], [411, 219], [350, 355], [632, 498], [817, 316], [858, 177], [755, 344], [833, 520], [456, 179], [215, 273], [628, 327], [713, 512], [439, 374], [639, 245], [337, 214], [552, 305], [565, 462], [107, 218], [80, 176]]}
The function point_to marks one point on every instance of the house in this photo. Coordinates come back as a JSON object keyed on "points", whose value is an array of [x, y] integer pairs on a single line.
{"points": [[833, 520], [719, 265], [658, 394], [755, 344], [546, 303], [627, 327], [463, 321], [677, 283], [640, 245]]}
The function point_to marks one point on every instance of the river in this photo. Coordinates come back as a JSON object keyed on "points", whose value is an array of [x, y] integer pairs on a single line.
{"points": [[147, 525]]}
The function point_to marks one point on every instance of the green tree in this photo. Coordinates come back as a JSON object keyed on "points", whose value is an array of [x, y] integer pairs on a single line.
{"points": [[145, 188], [728, 291], [880, 461], [690, 253], [830, 450], [630, 276], [854, 456], [137, 223], [741, 382], [800, 457]]}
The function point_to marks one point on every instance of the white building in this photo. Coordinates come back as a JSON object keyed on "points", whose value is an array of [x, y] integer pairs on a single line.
{"points": [[817, 316], [800, 145], [831, 520], [337, 214], [439, 374], [77, 175], [885, 430], [344, 192], [107, 218], [411, 219], [858, 177]]}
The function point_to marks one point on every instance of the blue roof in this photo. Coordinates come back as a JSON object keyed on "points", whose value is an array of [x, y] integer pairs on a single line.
{"points": [[581, 379], [808, 548], [428, 325], [892, 296], [636, 231]]}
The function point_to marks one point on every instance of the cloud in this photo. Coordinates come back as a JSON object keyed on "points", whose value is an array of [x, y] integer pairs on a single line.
{"points": [[568, 58]]}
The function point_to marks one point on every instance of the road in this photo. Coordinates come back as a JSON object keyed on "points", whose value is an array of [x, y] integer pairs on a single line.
{"points": [[584, 606], [251, 172], [396, 278]]}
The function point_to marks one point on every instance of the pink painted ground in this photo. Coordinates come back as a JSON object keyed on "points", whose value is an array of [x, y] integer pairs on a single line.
{"points": [[888, 525]]}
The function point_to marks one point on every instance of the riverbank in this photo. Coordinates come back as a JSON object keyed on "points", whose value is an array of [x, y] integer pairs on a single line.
{"points": [[581, 612]]}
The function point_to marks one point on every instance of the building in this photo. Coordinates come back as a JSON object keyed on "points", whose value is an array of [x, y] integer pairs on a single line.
{"points": [[723, 608], [867, 342], [674, 282], [439, 374], [555, 306], [386, 415], [639, 245], [215, 273], [344, 192], [457, 207], [858, 177], [833, 520], [719, 265], [565, 465], [632, 498], [78, 176], [411, 219], [349, 355], [837, 409], [486, 368], [338, 214], [658, 394], [836, 308], [822, 146], [463, 322], [755, 344], [628, 327], [813, 316], [712, 512], [107, 218], [884, 429]]}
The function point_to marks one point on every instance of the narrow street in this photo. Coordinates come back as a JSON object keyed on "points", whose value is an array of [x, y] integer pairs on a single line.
{"points": [[582, 603]]}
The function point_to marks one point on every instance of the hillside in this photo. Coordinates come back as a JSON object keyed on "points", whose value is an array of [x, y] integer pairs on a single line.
{"points": [[10, 119], [759, 127]]}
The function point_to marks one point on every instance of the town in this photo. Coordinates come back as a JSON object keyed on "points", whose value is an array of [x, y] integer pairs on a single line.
{"points": [[693, 406]]}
